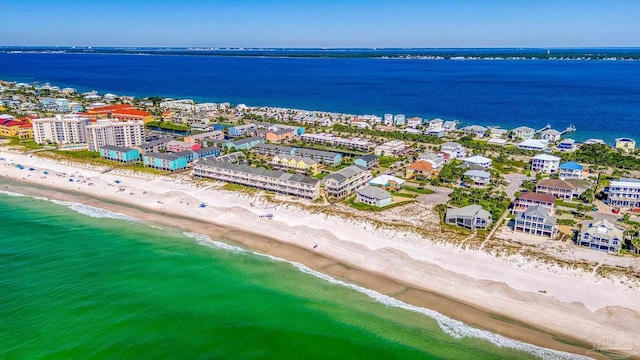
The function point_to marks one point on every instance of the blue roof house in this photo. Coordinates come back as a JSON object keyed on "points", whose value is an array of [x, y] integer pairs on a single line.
{"points": [[570, 170]]}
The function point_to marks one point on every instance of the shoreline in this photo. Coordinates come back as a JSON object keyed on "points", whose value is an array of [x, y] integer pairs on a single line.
{"points": [[353, 267], [449, 307]]}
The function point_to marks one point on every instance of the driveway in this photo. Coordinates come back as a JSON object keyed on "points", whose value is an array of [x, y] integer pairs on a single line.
{"points": [[440, 196], [515, 181]]}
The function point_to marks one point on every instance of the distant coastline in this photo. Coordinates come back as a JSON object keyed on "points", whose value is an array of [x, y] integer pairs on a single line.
{"points": [[605, 54]]}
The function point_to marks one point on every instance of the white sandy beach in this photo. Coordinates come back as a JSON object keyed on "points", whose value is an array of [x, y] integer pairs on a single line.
{"points": [[576, 303]]}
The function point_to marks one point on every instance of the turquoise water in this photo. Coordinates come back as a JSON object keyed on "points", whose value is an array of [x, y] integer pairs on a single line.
{"points": [[74, 284]]}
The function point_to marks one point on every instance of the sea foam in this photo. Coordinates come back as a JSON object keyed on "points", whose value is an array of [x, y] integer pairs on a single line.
{"points": [[93, 211], [454, 328], [9, 193]]}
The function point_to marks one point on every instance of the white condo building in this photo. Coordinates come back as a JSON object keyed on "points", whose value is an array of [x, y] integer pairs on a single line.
{"points": [[123, 134], [61, 129]]}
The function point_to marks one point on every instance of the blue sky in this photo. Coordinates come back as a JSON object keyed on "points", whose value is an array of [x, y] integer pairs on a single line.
{"points": [[328, 23]]}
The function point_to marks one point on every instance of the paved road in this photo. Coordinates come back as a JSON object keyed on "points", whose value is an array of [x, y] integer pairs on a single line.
{"points": [[515, 181]]}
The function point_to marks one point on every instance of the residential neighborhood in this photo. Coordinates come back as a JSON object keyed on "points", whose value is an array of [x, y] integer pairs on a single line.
{"points": [[364, 161]]}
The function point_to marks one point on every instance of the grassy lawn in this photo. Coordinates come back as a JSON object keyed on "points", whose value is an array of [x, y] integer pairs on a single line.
{"points": [[411, 196], [566, 204], [418, 190], [386, 161], [321, 175], [241, 188], [27, 144]]}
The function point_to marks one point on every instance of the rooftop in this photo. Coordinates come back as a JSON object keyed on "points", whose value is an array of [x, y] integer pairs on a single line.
{"points": [[533, 196], [374, 192]]}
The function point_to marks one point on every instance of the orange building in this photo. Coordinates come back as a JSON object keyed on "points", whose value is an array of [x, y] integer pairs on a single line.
{"points": [[419, 169], [120, 112], [276, 136]]}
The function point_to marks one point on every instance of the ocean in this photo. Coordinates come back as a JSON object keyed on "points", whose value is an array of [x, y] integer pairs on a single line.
{"points": [[81, 282], [601, 98]]}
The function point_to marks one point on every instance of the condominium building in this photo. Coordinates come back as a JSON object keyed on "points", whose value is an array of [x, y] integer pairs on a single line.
{"points": [[272, 180], [61, 129], [346, 181], [295, 163], [123, 134], [355, 143], [624, 193]]}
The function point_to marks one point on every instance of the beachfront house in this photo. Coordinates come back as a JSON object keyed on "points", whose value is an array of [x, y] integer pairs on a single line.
{"points": [[535, 220], [566, 145], [450, 125], [399, 119], [478, 177], [119, 153], [367, 162], [533, 144], [471, 217], [388, 182], [374, 196], [420, 170], [527, 199], [523, 132], [164, 161], [436, 123], [545, 163], [551, 135], [344, 182], [570, 170], [455, 150], [478, 160], [625, 145], [414, 122], [497, 133], [439, 132], [260, 178], [475, 130], [624, 193], [602, 235]]}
